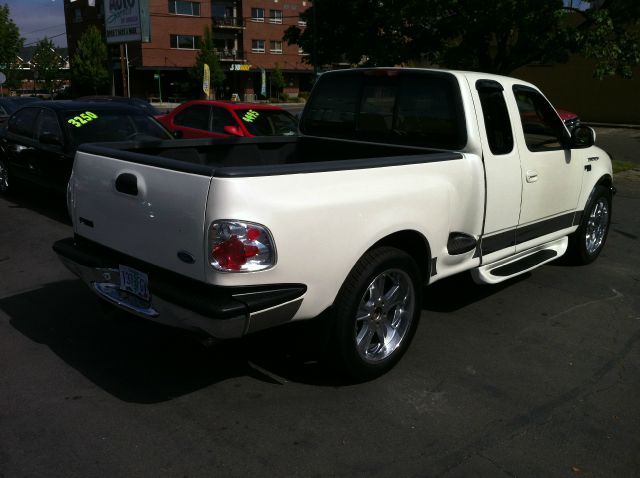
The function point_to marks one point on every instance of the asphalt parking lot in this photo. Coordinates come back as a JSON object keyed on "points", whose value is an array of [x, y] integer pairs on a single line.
{"points": [[537, 377]]}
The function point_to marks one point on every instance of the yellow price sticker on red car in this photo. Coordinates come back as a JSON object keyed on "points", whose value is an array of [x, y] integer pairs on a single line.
{"points": [[82, 119], [250, 116]]}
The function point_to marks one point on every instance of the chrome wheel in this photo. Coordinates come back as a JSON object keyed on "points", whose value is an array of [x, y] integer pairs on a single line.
{"points": [[597, 225], [384, 315]]}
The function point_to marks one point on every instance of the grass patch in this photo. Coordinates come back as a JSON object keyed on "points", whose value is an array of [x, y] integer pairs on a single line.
{"points": [[620, 166]]}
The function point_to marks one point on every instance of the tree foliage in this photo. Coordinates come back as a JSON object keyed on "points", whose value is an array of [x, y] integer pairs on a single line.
{"points": [[89, 63], [47, 63], [277, 79], [495, 37], [610, 35], [10, 44], [208, 55]]}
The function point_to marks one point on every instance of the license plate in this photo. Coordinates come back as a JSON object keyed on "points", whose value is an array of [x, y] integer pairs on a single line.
{"points": [[134, 281]]}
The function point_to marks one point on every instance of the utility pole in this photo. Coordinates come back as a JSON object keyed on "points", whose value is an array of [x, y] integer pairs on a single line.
{"points": [[124, 67]]}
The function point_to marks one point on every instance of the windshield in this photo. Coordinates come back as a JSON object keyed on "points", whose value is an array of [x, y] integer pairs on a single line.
{"points": [[98, 125], [264, 122]]}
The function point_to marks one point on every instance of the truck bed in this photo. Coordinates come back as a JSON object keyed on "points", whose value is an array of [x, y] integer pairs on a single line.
{"points": [[235, 157]]}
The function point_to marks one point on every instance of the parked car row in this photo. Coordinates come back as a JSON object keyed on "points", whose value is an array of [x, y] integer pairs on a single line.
{"points": [[40, 139]]}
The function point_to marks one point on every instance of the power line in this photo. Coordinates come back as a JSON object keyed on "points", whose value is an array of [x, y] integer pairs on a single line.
{"points": [[48, 38], [46, 28]]}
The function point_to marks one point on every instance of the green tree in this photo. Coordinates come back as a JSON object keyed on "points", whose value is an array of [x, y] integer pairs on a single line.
{"points": [[10, 44], [277, 79], [47, 63], [495, 37], [610, 35], [89, 63], [208, 55]]}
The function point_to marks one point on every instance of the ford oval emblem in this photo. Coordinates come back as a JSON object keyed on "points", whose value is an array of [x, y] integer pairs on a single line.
{"points": [[184, 256]]}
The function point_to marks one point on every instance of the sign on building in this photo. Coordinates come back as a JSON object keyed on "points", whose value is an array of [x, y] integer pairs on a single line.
{"points": [[126, 20]]}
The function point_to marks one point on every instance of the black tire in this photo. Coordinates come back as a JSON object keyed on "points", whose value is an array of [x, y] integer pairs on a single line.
{"points": [[5, 181], [588, 241], [365, 348]]}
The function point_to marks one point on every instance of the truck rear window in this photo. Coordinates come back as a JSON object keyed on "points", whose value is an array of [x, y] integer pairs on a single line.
{"points": [[419, 108]]}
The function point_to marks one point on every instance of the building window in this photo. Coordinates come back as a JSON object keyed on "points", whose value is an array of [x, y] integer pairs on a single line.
{"points": [[185, 42], [301, 22], [276, 47], [257, 14], [182, 7], [257, 46], [275, 16]]}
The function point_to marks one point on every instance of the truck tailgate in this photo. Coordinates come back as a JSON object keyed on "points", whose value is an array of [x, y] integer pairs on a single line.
{"points": [[125, 206]]}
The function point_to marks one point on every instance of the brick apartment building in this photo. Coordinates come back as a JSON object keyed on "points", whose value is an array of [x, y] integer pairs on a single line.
{"points": [[247, 35]]}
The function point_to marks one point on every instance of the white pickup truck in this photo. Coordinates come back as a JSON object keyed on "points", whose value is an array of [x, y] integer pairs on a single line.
{"points": [[399, 178]]}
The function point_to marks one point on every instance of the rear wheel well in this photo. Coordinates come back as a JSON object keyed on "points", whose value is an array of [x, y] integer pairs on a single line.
{"points": [[414, 244], [605, 181]]}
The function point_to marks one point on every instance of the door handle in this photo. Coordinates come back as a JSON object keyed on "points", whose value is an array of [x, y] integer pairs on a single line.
{"points": [[127, 183], [532, 176]]}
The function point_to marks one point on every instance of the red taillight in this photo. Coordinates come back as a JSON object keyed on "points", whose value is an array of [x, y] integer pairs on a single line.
{"points": [[232, 254], [236, 246]]}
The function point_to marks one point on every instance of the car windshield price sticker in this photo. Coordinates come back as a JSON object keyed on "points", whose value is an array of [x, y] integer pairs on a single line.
{"points": [[250, 116], [82, 119], [134, 281]]}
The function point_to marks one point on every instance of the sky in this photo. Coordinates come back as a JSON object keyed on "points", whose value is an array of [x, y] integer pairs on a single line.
{"points": [[37, 19]]}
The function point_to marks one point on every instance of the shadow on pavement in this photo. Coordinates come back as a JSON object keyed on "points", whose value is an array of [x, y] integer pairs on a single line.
{"points": [[143, 362], [459, 291], [47, 202]]}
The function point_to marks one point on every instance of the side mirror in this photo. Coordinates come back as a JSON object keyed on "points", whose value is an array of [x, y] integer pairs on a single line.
{"points": [[177, 134], [50, 138], [583, 137], [232, 130]]}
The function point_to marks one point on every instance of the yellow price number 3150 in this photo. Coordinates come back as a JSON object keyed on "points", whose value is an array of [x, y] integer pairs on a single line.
{"points": [[82, 119]]}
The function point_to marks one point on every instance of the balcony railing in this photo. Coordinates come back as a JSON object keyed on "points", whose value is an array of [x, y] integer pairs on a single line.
{"points": [[230, 55], [227, 22]]}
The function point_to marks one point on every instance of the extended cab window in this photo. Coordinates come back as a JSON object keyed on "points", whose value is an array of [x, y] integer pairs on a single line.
{"points": [[403, 107], [542, 127], [496, 117]]}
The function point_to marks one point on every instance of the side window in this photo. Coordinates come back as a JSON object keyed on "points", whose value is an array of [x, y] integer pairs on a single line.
{"points": [[429, 111], [221, 118], [543, 129], [49, 125], [24, 121], [496, 117], [196, 116]]}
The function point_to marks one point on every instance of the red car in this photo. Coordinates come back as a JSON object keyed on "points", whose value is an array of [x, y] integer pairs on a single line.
{"points": [[220, 119], [570, 119]]}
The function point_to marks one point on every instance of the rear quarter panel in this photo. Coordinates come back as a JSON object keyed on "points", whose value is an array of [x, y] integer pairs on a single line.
{"points": [[322, 223]]}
